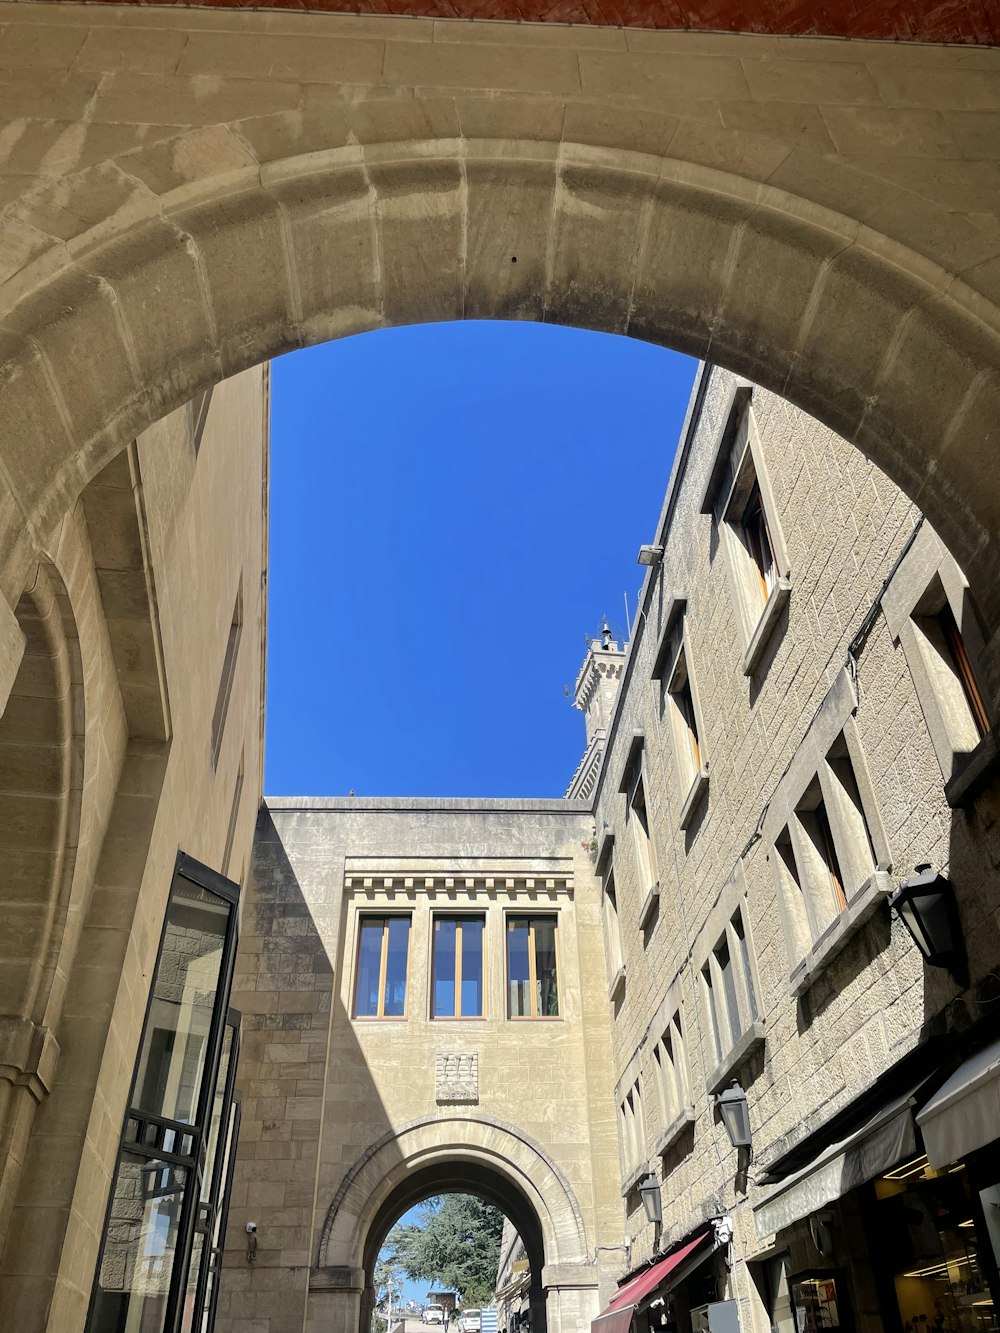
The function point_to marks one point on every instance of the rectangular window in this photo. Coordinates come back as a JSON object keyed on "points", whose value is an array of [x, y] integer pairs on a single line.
{"points": [[383, 954], [730, 993], [757, 540], [169, 1189], [850, 823], [612, 925], [823, 872], [929, 611], [950, 669], [826, 860], [234, 815], [457, 975], [834, 853], [684, 719], [227, 676], [739, 498], [671, 1072], [633, 1129], [963, 669], [638, 817], [531, 967]]}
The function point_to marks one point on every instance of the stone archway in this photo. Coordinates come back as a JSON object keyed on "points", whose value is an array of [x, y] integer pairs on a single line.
{"points": [[401, 179], [456, 1153]]}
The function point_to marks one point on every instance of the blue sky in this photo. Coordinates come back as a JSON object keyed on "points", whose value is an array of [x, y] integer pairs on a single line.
{"points": [[453, 507]]}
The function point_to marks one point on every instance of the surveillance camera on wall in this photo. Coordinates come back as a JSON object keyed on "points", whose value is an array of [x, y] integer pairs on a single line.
{"points": [[251, 1228]]}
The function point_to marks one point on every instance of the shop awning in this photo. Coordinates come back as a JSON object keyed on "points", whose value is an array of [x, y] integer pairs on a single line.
{"points": [[964, 1113], [618, 1316], [877, 1145]]}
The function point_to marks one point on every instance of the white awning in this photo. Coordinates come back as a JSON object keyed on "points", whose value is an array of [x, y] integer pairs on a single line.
{"points": [[880, 1143], [964, 1113]]}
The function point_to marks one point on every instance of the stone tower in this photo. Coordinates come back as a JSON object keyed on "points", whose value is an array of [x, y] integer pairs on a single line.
{"points": [[594, 694]]}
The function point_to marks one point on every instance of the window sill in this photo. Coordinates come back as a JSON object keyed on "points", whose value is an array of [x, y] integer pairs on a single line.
{"points": [[694, 797], [674, 1130], [617, 986], [980, 765], [751, 1042], [861, 908], [649, 905], [776, 603], [631, 1181]]}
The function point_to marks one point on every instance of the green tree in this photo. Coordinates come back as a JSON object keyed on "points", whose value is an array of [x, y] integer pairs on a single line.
{"points": [[455, 1244]]}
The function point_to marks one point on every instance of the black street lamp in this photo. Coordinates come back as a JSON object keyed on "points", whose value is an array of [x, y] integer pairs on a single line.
{"points": [[735, 1112], [649, 1192], [925, 903]]}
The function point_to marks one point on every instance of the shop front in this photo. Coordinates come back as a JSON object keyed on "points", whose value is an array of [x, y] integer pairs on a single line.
{"points": [[677, 1293], [895, 1225]]}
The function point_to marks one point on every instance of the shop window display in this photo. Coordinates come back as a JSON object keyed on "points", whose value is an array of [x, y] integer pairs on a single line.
{"points": [[930, 1224], [818, 1304]]}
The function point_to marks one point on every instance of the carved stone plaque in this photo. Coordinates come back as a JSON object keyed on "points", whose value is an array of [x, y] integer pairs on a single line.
{"points": [[457, 1078]]}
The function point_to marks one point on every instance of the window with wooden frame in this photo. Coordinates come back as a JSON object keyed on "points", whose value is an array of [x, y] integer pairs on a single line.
{"points": [[532, 967], [457, 967], [728, 987], [931, 615], [950, 667], [383, 963], [670, 1066], [740, 500]]}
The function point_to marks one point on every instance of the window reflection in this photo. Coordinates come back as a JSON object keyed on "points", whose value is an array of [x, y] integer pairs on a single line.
{"points": [[383, 951], [458, 967], [172, 1061], [531, 967], [140, 1245]]}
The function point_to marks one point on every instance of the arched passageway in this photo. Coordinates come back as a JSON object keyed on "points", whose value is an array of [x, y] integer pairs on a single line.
{"points": [[801, 261], [460, 1178], [471, 1154]]}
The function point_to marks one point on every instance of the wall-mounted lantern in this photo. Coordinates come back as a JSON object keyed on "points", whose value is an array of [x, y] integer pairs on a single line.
{"points": [[735, 1112], [925, 903], [649, 1192]]}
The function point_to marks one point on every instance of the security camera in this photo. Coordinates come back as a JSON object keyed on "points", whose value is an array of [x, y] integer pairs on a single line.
{"points": [[251, 1228]]}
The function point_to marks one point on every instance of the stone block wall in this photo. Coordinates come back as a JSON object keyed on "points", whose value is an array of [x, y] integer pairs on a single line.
{"points": [[143, 571], [327, 1095], [844, 527]]}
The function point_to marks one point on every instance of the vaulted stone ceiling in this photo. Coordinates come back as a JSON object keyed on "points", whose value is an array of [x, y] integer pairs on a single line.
{"points": [[975, 21]]}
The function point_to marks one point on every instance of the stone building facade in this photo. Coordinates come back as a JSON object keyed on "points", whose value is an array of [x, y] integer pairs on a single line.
{"points": [[795, 732], [362, 1096], [132, 732], [794, 727]]}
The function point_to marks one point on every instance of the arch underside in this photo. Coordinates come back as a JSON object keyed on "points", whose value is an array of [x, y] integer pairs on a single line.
{"points": [[874, 341]]}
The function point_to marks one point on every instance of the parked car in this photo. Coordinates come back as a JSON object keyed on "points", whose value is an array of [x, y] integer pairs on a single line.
{"points": [[469, 1321], [433, 1314]]}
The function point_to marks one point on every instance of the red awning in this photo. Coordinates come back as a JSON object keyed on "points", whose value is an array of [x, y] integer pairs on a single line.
{"points": [[617, 1318]]}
